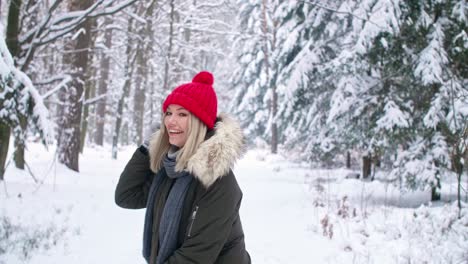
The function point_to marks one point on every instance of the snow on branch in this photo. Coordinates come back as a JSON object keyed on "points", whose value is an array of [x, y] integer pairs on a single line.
{"points": [[338, 11], [384, 16], [416, 166], [433, 58], [40, 112], [80, 16], [210, 5], [394, 117], [65, 79], [95, 99], [73, 18], [211, 31], [18, 89], [56, 26], [41, 26], [344, 97], [459, 11]]}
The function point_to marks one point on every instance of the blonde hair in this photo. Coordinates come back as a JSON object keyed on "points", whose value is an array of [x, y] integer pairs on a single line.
{"points": [[160, 145]]}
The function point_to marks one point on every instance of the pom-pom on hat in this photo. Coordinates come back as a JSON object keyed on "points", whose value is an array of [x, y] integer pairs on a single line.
{"points": [[198, 97]]}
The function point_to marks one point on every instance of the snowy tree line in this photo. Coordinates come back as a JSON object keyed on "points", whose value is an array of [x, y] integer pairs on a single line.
{"points": [[101, 68], [377, 81], [384, 79]]}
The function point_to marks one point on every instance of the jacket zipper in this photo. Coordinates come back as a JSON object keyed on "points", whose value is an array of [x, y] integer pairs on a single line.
{"points": [[192, 219]]}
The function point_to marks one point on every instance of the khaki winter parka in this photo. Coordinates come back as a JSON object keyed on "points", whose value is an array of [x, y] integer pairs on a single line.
{"points": [[210, 230]]}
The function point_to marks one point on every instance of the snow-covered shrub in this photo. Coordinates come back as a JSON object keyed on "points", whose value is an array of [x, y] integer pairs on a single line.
{"points": [[423, 164], [23, 241], [327, 227], [422, 235], [436, 235]]}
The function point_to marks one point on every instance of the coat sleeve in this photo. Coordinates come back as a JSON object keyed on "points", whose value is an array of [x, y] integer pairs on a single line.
{"points": [[209, 231], [134, 183]]}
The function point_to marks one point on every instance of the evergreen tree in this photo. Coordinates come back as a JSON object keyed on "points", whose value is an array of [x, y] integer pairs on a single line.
{"points": [[251, 78], [18, 97], [385, 78]]}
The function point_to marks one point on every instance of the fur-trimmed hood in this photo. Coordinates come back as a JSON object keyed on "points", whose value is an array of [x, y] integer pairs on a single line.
{"points": [[217, 154]]}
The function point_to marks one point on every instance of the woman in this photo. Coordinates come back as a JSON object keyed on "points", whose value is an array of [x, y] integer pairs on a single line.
{"points": [[184, 180]]}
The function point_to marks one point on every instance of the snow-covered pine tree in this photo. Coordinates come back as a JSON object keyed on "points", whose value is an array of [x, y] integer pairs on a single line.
{"points": [[440, 97], [415, 101], [307, 40], [250, 78], [399, 80], [378, 77], [18, 97]]}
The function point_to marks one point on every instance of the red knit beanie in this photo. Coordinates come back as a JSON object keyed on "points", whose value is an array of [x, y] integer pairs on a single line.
{"points": [[198, 97]]}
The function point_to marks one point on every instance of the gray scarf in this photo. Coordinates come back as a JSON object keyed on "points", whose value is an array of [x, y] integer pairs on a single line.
{"points": [[172, 212], [169, 163]]}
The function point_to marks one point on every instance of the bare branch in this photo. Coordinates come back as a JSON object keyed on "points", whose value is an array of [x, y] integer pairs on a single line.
{"points": [[49, 81], [41, 28], [29, 36], [95, 99], [73, 18], [76, 23], [48, 31], [211, 31], [66, 79]]}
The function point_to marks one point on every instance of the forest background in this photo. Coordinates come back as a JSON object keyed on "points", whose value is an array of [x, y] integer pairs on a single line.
{"points": [[371, 85]]}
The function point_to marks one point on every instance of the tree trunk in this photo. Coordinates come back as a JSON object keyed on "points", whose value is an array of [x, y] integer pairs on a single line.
{"points": [[348, 160], [13, 27], [457, 161], [23, 119], [125, 93], [90, 86], [149, 80], [139, 97], [118, 121], [141, 78], [13, 46], [12, 33], [366, 165], [19, 143], [103, 84], [4, 143], [435, 188], [154, 113], [69, 143], [459, 179], [274, 97], [435, 191], [465, 161], [169, 49]]}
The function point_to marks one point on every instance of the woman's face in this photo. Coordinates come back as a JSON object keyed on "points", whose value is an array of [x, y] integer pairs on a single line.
{"points": [[176, 121]]}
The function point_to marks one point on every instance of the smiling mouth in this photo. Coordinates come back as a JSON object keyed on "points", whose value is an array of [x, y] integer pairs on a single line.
{"points": [[175, 132]]}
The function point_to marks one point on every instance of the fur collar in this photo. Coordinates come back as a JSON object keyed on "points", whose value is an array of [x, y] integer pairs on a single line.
{"points": [[217, 154]]}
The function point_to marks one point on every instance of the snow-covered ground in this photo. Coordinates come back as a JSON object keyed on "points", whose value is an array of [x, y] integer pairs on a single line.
{"points": [[291, 214]]}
